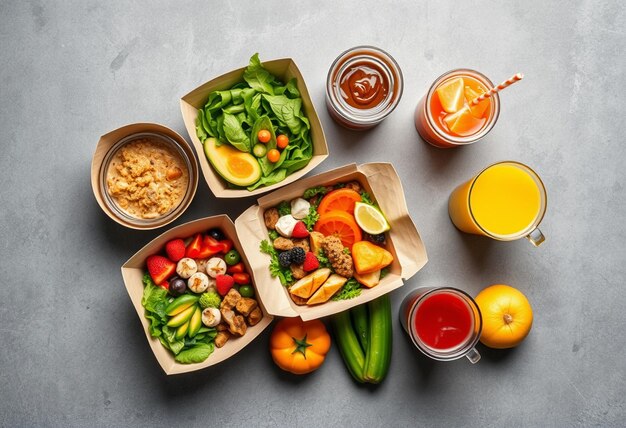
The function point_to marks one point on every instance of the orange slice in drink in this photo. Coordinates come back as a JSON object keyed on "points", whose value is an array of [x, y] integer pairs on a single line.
{"points": [[451, 95], [479, 109], [463, 123]]}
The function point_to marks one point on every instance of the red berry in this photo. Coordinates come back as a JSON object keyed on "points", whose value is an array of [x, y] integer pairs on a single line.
{"points": [[175, 249], [299, 230], [193, 249], [310, 262], [223, 283], [160, 268], [238, 268], [227, 245]]}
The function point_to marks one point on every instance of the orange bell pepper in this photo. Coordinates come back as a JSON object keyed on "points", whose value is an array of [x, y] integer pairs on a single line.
{"points": [[298, 346]]}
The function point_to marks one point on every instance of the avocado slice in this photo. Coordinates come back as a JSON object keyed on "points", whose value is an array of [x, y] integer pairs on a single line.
{"points": [[182, 317], [182, 330], [236, 167], [195, 322]]}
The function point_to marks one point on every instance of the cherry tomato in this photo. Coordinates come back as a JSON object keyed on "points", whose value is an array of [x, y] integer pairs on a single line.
{"points": [[264, 135], [273, 155], [282, 141], [241, 278]]}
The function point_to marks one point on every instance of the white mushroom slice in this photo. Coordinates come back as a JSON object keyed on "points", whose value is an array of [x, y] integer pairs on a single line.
{"points": [[285, 225], [300, 208], [198, 282], [211, 286], [186, 267], [211, 317], [215, 266], [202, 265]]}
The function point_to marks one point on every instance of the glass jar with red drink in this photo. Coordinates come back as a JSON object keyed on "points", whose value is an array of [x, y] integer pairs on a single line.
{"points": [[443, 323]]}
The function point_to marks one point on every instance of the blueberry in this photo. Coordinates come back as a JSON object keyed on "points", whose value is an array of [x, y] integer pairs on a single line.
{"points": [[378, 239], [216, 234], [297, 255], [284, 258]]}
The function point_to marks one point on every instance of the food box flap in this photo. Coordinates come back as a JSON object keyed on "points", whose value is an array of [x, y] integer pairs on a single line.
{"points": [[132, 274], [387, 187], [285, 69]]}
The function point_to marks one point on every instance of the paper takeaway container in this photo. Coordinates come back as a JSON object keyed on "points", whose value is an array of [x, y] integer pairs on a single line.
{"points": [[133, 271], [382, 182], [284, 69]]}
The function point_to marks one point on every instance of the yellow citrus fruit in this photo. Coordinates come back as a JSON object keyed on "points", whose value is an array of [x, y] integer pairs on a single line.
{"points": [[507, 316]]}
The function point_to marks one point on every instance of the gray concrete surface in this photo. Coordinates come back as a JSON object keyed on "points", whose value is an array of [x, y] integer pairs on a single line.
{"points": [[72, 351]]}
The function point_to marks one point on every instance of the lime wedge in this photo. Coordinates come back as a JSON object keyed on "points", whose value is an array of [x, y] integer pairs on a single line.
{"points": [[370, 219]]}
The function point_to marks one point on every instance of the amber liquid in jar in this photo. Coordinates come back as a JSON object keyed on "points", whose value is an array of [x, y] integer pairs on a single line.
{"points": [[364, 85]]}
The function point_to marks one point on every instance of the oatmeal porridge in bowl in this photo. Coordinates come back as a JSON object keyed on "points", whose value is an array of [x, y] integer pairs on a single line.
{"points": [[146, 179]]}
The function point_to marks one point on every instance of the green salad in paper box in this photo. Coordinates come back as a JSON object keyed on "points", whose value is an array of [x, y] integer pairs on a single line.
{"points": [[255, 133]]}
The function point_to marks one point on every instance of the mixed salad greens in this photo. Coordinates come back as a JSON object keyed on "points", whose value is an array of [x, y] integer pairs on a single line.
{"points": [[261, 102], [186, 350]]}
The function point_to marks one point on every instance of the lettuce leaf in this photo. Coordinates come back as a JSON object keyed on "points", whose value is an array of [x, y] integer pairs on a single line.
{"points": [[258, 77], [197, 354]]}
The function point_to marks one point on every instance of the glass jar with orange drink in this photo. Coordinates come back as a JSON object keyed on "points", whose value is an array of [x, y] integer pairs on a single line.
{"points": [[449, 115]]}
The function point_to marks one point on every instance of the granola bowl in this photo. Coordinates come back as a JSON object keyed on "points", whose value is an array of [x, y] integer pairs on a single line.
{"points": [[144, 176]]}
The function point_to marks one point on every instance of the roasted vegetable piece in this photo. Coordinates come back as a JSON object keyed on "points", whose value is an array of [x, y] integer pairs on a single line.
{"points": [[298, 346]]}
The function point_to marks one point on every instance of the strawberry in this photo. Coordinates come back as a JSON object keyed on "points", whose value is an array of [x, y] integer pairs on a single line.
{"points": [[310, 262], [223, 283], [175, 249], [241, 278], [160, 268], [299, 230]]}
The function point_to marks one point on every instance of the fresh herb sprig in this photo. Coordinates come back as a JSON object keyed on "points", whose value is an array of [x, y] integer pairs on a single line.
{"points": [[350, 290], [276, 270]]}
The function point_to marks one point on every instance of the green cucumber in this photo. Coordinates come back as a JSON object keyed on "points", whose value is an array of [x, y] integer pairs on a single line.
{"points": [[348, 344], [180, 303], [378, 355], [182, 318], [360, 321]]}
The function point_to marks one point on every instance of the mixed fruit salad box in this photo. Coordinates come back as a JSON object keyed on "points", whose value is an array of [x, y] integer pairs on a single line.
{"points": [[254, 129]]}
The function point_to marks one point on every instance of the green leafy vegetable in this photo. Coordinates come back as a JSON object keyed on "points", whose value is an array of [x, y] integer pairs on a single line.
{"points": [[350, 290], [258, 77], [235, 134], [324, 262], [273, 235], [314, 191], [276, 270], [311, 218], [197, 354], [384, 272], [284, 208]]}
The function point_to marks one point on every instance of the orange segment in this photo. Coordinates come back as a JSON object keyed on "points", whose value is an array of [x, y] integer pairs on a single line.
{"points": [[340, 199], [478, 110], [339, 223], [463, 123], [451, 95]]}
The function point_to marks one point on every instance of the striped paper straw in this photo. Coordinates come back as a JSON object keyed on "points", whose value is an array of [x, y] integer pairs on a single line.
{"points": [[501, 86]]}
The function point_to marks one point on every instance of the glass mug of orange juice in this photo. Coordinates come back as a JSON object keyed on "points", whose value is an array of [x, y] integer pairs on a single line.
{"points": [[505, 201], [446, 117]]}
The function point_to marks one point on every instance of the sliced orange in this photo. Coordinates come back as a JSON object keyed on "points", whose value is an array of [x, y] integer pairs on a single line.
{"points": [[341, 224], [479, 109], [463, 123], [451, 95], [340, 199]]}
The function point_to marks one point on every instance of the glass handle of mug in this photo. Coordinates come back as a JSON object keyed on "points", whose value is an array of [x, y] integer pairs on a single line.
{"points": [[536, 237], [473, 356]]}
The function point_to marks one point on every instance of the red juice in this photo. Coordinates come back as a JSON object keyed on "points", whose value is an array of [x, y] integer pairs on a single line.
{"points": [[443, 321]]}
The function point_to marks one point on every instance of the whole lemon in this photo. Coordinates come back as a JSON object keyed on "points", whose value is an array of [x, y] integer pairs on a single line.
{"points": [[507, 316]]}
